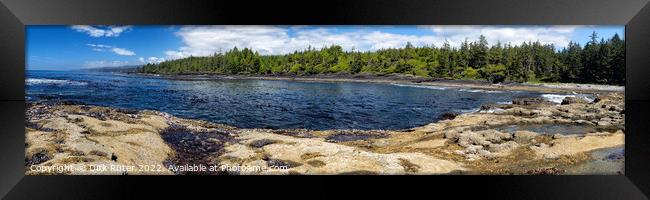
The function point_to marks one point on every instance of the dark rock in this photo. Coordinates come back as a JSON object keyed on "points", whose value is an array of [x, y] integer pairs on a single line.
{"points": [[301, 133], [492, 106], [70, 102], [572, 100], [37, 158], [261, 143], [361, 172], [619, 155], [195, 147], [592, 110], [282, 163], [448, 116], [99, 115], [545, 171], [596, 100], [316, 163], [113, 157], [497, 78], [127, 111], [525, 101], [98, 153]]}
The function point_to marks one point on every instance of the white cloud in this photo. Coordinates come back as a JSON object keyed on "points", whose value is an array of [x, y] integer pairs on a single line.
{"points": [[151, 60], [116, 50], [123, 52], [559, 36], [99, 46], [104, 63], [206, 40], [101, 31]]}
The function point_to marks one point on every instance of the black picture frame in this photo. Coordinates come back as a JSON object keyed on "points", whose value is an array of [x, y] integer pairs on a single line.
{"points": [[634, 14]]}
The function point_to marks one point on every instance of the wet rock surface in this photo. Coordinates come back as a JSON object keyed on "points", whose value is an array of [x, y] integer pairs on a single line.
{"points": [[37, 158], [195, 147]]}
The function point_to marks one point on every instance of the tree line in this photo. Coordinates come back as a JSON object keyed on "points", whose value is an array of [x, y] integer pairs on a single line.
{"points": [[599, 61]]}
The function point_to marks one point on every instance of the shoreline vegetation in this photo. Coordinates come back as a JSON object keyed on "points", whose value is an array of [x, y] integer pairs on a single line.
{"points": [[599, 61], [529, 136]]}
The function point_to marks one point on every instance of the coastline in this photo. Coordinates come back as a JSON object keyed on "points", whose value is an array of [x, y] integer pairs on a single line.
{"points": [[562, 88], [472, 143]]}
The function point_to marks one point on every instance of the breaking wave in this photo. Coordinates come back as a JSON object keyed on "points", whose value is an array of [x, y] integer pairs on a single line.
{"points": [[44, 81], [557, 98]]}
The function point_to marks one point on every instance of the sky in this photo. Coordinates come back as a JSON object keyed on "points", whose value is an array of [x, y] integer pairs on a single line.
{"points": [[83, 46]]}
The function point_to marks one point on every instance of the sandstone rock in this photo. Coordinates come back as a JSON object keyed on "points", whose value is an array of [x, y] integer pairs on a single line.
{"points": [[473, 149], [471, 138], [451, 134], [604, 123], [496, 136], [486, 153], [524, 136], [472, 157], [333, 158], [503, 147], [572, 145], [542, 145]]}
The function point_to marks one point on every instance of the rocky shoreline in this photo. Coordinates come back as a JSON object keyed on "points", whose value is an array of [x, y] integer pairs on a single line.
{"points": [[525, 137], [409, 79]]}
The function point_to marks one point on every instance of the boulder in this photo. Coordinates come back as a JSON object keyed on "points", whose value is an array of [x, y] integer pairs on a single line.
{"points": [[448, 116], [452, 134], [472, 138], [572, 100]]}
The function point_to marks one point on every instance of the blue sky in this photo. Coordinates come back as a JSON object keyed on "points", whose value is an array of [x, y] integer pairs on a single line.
{"points": [[76, 47]]}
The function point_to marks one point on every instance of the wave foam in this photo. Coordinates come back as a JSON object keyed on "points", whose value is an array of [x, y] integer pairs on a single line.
{"points": [[420, 86], [482, 91], [557, 98], [44, 81]]}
